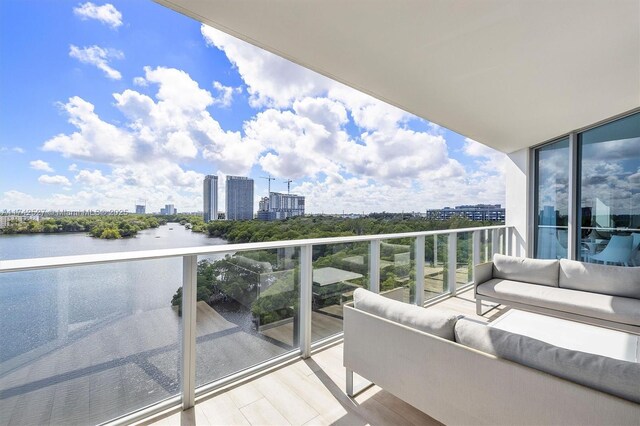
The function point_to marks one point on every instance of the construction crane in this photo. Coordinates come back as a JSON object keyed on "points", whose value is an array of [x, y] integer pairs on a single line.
{"points": [[269, 179], [288, 182]]}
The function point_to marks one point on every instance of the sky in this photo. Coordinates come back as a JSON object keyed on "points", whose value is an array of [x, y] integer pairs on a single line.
{"points": [[104, 105]]}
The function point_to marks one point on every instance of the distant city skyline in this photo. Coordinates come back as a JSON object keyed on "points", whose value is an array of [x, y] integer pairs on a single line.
{"points": [[126, 110]]}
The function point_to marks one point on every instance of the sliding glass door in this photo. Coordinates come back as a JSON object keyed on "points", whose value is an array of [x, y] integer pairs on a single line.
{"points": [[606, 190], [552, 200], [609, 193]]}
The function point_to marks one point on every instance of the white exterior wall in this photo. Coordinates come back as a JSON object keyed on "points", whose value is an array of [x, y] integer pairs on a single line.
{"points": [[518, 174]]}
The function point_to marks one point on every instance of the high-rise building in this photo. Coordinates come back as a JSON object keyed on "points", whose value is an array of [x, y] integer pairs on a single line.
{"points": [[210, 197], [168, 210], [263, 209], [263, 204], [141, 209], [283, 206], [239, 200]]}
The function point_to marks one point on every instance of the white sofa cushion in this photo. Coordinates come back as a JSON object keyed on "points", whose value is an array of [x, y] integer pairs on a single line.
{"points": [[623, 310], [537, 271], [616, 377], [603, 279], [433, 321]]}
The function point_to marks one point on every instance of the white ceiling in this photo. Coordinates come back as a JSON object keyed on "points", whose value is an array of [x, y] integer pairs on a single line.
{"points": [[507, 73]]}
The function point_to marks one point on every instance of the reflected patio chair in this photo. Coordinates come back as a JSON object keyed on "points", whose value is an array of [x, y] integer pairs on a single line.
{"points": [[635, 249], [619, 250], [562, 241]]}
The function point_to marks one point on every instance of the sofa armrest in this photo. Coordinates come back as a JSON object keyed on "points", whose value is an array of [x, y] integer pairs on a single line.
{"points": [[484, 272]]}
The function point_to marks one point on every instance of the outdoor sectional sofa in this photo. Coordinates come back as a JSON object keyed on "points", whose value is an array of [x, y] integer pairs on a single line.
{"points": [[463, 372], [608, 296]]}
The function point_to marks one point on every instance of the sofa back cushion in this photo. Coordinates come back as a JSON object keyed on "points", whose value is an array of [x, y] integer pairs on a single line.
{"points": [[535, 271], [433, 321], [616, 377], [604, 279]]}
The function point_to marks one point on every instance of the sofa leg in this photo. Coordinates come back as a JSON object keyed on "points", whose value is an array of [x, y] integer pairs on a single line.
{"points": [[350, 383], [478, 307]]}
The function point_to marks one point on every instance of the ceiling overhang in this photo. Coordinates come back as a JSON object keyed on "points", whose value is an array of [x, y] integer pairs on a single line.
{"points": [[509, 74]]}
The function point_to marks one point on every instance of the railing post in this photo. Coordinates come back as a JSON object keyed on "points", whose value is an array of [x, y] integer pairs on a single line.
{"points": [[475, 252], [419, 253], [306, 283], [495, 242], [452, 262], [509, 243], [189, 308], [374, 266]]}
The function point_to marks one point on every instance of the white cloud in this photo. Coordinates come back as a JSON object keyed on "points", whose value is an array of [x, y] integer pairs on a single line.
{"points": [[140, 81], [179, 144], [271, 80], [107, 13], [98, 57], [304, 130], [54, 180], [95, 140], [41, 165], [225, 93], [158, 182], [73, 167], [489, 159], [91, 178], [15, 149]]}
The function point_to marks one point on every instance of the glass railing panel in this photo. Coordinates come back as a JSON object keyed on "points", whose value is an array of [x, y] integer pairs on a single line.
{"points": [[464, 258], [435, 265], [397, 269], [247, 310], [486, 246], [338, 270], [84, 345]]}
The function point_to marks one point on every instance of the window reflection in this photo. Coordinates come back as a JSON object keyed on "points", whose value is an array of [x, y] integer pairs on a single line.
{"points": [[609, 222], [552, 181]]}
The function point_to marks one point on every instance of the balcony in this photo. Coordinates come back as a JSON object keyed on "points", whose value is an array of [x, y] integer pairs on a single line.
{"points": [[113, 359], [311, 391]]}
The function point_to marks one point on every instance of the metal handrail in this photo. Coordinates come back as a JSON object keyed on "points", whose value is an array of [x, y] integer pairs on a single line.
{"points": [[18, 265]]}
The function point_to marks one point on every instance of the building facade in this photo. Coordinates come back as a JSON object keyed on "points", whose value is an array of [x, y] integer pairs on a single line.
{"points": [[168, 210], [239, 202], [283, 206], [210, 198], [484, 212], [8, 220], [141, 209], [263, 204]]}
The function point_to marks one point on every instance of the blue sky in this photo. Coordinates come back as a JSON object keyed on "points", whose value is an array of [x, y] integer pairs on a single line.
{"points": [[104, 104]]}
